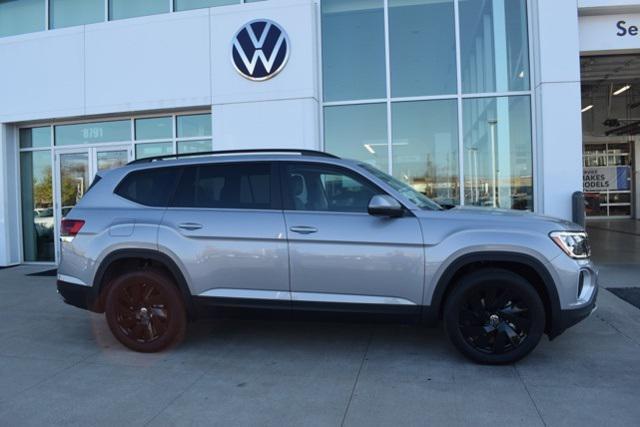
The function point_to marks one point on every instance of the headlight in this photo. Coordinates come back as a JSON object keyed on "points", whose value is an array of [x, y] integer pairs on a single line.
{"points": [[573, 243]]}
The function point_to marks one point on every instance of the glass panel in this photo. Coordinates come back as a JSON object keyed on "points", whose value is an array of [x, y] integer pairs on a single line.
{"points": [[153, 149], [111, 159], [194, 125], [35, 137], [21, 16], [154, 128], [120, 9], [37, 205], [619, 210], [497, 152], [74, 179], [595, 204], [179, 5], [494, 47], [422, 47], [425, 148], [150, 187], [90, 133], [194, 146], [353, 49], [358, 132], [228, 186], [321, 188], [65, 13]]}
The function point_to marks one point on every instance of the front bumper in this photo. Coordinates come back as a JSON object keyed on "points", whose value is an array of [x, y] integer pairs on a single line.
{"points": [[76, 295], [570, 317]]}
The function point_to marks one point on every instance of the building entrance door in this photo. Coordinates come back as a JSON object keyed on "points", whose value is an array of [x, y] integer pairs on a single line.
{"points": [[75, 170]]}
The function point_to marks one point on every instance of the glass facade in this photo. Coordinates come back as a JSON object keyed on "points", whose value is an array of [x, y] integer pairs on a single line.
{"points": [[353, 61], [21, 16], [66, 13], [37, 205], [179, 5], [122, 9], [453, 124]]}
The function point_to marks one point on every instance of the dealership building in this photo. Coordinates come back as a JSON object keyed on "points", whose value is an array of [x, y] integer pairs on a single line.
{"points": [[513, 104]]}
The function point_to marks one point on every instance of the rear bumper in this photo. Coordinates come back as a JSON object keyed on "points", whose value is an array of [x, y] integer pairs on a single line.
{"points": [[76, 295]]}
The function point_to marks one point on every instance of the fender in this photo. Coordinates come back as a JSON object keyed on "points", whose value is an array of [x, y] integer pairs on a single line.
{"points": [[157, 256], [495, 256]]}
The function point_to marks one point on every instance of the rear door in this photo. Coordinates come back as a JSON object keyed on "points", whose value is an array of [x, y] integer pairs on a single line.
{"points": [[341, 254], [226, 226]]}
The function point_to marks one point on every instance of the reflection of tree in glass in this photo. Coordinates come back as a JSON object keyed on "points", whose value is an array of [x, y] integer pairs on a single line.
{"points": [[73, 185], [43, 190]]}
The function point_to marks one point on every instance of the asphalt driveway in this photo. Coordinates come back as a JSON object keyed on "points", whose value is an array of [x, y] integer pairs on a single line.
{"points": [[60, 365]]}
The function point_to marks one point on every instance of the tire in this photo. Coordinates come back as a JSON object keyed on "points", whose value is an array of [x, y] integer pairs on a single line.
{"points": [[145, 311], [494, 316]]}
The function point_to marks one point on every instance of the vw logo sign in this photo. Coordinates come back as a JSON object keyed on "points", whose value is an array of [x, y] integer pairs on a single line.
{"points": [[260, 50]]}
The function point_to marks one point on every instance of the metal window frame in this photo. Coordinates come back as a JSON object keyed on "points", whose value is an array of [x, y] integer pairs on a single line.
{"points": [[459, 96]]}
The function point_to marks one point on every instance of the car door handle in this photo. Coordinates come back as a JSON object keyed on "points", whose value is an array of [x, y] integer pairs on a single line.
{"points": [[190, 226], [303, 229]]}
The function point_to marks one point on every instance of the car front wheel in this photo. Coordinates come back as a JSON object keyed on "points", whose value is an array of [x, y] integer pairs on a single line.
{"points": [[145, 311], [494, 316]]}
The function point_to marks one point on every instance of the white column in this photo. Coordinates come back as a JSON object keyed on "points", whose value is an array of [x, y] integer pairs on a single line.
{"points": [[636, 179], [558, 119], [9, 198]]}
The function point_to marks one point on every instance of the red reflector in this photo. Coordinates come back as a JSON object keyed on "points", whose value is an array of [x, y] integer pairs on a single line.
{"points": [[70, 227]]}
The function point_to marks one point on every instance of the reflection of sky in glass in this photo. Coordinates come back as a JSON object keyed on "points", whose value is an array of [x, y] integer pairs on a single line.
{"points": [[65, 13], [422, 47], [494, 46], [194, 125], [353, 49]]}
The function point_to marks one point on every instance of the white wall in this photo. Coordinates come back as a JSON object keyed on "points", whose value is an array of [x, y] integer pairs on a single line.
{"points": [[557, 91]]}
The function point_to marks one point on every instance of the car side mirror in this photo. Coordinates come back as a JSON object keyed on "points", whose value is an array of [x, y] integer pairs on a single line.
{"points": [[383, 205]]}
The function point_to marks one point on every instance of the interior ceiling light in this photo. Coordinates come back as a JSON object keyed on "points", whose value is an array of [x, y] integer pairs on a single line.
{"points": [[587, 108], [369, 148], [622, 89]]}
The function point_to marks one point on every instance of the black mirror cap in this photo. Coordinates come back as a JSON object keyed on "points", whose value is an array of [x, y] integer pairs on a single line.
{"points": [[384, 205]]}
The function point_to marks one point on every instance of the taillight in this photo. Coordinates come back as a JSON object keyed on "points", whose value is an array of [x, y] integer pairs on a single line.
{"points": [[70, 227]]}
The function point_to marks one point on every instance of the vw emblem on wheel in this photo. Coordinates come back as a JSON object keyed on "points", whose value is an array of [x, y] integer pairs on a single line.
{"points": [[260, 50]]}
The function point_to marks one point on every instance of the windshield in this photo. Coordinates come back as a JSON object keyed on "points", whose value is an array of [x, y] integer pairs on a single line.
{"points": [[417, 198]]}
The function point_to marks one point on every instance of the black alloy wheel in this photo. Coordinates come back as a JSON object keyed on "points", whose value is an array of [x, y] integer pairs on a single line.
{"points": [[145, 311], [494, 316]]}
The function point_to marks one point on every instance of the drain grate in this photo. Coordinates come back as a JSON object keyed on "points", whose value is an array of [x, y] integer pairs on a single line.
{"points": [[630, 295], [53, 272]]}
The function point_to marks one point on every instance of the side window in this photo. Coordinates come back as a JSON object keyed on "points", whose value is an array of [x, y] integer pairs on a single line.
{"points": [[324, 188], [149, 187], [230, 185]]}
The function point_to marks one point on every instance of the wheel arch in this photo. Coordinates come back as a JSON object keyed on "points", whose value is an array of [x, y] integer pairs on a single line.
{"points": [[141, 258], [525, 265]]}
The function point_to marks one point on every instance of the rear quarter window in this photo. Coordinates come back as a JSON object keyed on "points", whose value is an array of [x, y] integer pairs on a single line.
{"points": [[149, 187]]}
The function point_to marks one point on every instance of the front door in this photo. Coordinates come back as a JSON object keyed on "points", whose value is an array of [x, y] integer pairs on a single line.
{"points": [[338, 252], [75, 170]]}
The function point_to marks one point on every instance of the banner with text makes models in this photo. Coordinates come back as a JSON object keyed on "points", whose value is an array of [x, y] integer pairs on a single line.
{"points": [[606, 178]]}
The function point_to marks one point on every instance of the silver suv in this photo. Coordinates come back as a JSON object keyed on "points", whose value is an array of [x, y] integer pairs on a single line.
{"points": [[166, 240]]}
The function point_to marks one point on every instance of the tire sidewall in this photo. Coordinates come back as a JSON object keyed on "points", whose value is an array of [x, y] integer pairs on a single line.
{"points": [[175, 307], [493, 277]]}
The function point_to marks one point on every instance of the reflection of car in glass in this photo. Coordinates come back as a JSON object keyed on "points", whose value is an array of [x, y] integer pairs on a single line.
{"points": [[156, 243], [43, 222]]}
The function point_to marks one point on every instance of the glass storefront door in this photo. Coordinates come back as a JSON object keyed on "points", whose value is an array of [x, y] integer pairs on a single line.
{"points": [[76, 169]]}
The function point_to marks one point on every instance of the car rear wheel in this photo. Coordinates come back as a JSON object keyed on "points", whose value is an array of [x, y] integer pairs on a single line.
{"points": [[145, 311], [494, 316]]}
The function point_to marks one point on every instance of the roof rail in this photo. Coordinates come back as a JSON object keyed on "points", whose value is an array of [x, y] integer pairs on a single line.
{"points": [[247, 151]]}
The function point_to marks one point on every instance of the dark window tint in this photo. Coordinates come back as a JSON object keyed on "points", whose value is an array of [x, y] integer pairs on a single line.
{"points": [[150, 187], [324, 188], [231, 186]]}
